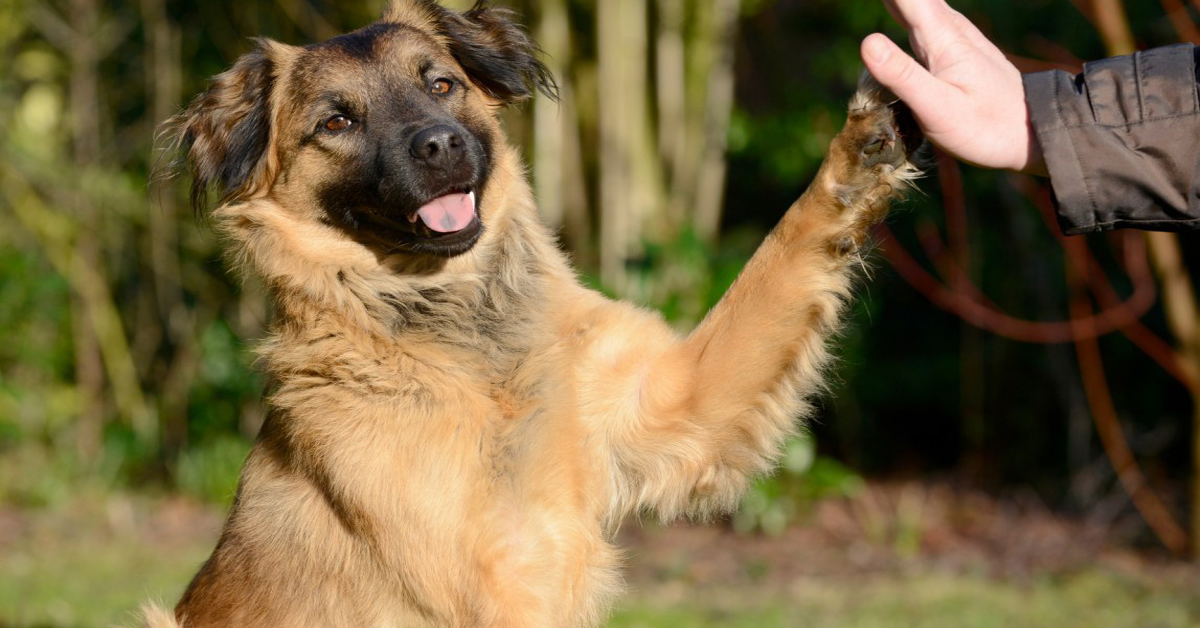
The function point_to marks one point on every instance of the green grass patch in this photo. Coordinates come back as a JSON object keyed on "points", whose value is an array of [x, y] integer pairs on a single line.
{"points": [[90, 564], [1094, 598]]}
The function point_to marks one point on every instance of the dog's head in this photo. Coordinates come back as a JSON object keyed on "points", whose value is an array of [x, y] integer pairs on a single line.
{"points": [[389, 132]]}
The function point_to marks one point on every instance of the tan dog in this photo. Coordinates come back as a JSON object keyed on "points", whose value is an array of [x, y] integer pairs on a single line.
{"points": [[457, 427]]}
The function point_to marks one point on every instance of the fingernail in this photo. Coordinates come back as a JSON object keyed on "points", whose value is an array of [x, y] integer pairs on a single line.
{"points": [[878, 49]]}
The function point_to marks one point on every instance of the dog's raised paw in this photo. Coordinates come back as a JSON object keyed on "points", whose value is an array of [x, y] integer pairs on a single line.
{"points": [[882, 127], [872, 159]]}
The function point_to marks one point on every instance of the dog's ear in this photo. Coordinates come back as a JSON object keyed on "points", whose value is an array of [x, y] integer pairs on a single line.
{"points": [[226, 131], [496, 53], [420, 14]]}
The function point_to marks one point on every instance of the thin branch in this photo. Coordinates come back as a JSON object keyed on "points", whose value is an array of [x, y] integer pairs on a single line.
{"points": [[1052, 52], [968, 303], [1028, 64], [51, 25], [1085, 8], [1136, 257], [1181, 20], [954, 207], [1114, 28], [1116, 447]]}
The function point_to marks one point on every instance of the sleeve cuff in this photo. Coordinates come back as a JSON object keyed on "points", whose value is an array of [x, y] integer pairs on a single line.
{"points": [[1072, 196]]}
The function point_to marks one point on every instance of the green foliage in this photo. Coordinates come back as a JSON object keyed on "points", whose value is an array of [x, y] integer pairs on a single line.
{"points": [[36, 475], [37, 400], [684, 277], [210, 471], [774, 502], [35, 396], [226, 384]]}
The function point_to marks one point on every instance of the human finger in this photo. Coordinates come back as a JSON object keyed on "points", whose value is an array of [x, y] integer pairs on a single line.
{"points": [[896, 13], [968, 31], [904, 76], [917, 15]]}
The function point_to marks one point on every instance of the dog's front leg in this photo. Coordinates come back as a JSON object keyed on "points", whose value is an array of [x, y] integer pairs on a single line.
{"points": [[713, 408]]}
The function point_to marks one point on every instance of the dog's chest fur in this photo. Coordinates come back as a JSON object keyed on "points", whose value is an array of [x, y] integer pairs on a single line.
{"points": [[485, 466]]}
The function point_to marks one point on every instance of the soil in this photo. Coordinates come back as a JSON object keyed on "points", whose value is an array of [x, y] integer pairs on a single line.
{"points": [[895, 528], [889, 528]]}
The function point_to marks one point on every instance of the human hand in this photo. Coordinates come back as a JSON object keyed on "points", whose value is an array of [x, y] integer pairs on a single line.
{"points": [[970, 101]]}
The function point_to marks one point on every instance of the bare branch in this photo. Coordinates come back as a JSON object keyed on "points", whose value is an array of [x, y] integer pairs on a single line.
{"points": [[51, 26]]}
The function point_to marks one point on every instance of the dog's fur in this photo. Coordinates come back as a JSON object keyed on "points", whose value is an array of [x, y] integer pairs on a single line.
{"points": [[457, 429]]}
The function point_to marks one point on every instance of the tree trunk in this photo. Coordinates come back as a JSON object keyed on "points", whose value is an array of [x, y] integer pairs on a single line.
{"points": [[101, 349], [671, 88], [1177, 294], [710, 192], [1179, 300], [549, 123], [176, 320], [85, 140], [628, 195]]}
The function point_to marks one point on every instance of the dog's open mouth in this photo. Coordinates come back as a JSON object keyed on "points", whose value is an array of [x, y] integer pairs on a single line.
{"points": [[447, 225], [447, 214]]}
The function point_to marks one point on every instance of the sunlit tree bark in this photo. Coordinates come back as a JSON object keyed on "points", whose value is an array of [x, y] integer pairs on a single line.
{"points": [[629, 190], [1178, 296], [710, 179]]}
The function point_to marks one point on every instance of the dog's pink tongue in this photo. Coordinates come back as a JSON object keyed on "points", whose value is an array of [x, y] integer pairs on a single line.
{"points": [[450, 213]]}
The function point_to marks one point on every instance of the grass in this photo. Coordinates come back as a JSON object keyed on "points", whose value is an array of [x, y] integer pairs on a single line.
{"points": [[85, 585], [1093, 598], [89, 564]]}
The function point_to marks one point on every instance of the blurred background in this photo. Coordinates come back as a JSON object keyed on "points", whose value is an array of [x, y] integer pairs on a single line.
{"points": [[1011, 431]]}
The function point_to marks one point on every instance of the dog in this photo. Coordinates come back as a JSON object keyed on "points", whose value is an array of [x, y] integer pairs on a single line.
{"points": [[456, 425]]}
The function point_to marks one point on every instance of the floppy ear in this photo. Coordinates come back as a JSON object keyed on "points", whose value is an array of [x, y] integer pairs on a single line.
{"points": [[226, 131], [496, 53]]}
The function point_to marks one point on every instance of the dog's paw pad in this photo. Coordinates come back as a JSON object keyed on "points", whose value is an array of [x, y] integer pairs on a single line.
{"points": [[881, 126], [882, 146], [873, 155], [871, 162]]}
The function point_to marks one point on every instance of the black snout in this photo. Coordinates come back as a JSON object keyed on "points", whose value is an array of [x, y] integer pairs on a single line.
{"points": [[439, 146]]}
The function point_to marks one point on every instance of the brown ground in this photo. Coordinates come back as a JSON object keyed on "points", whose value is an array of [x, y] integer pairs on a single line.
{"points": [[890, 528]]}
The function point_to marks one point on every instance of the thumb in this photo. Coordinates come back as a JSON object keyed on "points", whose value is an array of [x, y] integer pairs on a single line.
{"points": [[901, 74]]}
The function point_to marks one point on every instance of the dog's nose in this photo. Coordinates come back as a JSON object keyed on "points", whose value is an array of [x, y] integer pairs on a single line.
{"points": [[438, 146]]}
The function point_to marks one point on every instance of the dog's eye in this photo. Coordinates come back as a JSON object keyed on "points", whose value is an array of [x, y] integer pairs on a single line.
{"points": [[338, 123], [442, 87]]}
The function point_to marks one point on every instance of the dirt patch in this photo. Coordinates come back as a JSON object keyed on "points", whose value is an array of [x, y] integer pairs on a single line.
{"points": [[165, 523], [889, 528]]}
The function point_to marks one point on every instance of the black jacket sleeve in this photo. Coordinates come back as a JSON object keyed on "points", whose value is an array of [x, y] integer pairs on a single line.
{"points": [[1122, 140]]}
